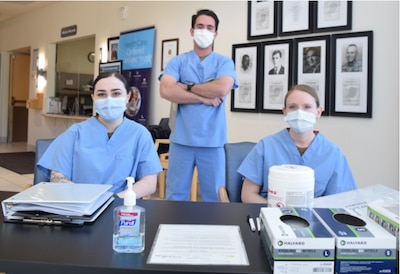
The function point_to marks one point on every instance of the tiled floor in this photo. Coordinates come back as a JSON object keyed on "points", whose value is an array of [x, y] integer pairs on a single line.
{"points": [[11, 181]]}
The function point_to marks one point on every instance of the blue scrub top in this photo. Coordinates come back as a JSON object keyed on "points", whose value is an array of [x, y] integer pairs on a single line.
{"points": [[199, 124], [332, 171], [85, 154]]}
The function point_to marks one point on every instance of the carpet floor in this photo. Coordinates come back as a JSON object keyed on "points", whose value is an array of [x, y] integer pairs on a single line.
{"points": [[19, 162]]}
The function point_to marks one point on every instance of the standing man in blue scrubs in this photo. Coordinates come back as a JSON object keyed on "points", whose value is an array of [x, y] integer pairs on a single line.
{"points": [[196, 83]]}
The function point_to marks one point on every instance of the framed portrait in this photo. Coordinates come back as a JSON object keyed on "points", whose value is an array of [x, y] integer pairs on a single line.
{"points": [[262, 20], [246, 58], [112, 48], [332, 15], [352, 77], [111, 66], [276, 74], [169, 49], [311, 59], [295, 17]]}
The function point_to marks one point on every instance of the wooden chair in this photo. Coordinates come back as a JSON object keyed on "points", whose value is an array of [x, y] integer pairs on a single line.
{"points": [[162, 175]]}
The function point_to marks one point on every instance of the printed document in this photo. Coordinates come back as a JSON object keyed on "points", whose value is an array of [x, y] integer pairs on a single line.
{"points": [[198, 245]]}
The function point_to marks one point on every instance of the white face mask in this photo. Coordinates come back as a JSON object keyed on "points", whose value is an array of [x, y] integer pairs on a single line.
{"points": [[301, 121], [203, 38], [110, 108]]}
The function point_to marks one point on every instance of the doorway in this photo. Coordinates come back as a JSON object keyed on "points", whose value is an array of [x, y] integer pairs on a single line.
{"points": [[18, 94]]}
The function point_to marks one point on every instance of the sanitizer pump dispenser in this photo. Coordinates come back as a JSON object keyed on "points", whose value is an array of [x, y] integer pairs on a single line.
{"points": [[129, 223]]}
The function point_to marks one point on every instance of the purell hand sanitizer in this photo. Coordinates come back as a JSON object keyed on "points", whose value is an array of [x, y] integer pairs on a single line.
{"points": [[129, 224]]}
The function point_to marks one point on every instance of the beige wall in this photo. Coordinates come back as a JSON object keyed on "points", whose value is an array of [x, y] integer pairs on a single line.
{"points": [[371, 145]]}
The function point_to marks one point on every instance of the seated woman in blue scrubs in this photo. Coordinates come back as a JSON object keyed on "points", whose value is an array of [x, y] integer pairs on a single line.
{"points": [[298, 145], [107, 148]]}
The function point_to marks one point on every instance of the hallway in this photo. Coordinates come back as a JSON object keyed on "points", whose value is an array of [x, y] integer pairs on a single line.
{"points": [[11, 181]]}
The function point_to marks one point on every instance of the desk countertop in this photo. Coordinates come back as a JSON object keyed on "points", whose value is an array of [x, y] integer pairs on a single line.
{"points": [[27, 248]]}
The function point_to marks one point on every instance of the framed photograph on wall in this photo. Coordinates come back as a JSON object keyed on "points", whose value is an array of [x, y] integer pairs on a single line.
{"points": [[246, 58], [276, 74], [262, 20], [332, 15], [295, 17], [311, 59], [169, 49], [352, 77], [112, 48], [111, 66]]}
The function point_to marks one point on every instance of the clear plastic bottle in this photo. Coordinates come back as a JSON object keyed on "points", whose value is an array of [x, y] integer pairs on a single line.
{"points": [[129, 224]]}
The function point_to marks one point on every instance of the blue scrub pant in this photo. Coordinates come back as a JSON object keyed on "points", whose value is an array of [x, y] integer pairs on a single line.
{"points": [[210, 164]]}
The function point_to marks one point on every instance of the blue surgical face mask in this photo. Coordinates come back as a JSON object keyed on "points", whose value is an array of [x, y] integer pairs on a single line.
{"points": [[110, 108], [301, 121]]}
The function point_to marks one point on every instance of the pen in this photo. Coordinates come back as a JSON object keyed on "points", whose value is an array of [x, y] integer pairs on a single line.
{"points": [[251, 223], [258, 224]]}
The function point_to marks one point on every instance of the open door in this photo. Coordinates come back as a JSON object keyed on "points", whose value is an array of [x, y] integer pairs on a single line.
{"points": [[19, 93]]}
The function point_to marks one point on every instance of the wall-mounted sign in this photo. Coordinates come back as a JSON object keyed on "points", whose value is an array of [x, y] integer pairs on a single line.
{"points": [[69, 31]]}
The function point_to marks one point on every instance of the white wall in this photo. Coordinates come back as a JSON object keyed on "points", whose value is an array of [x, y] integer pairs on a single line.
{"points": [[371, 145]]}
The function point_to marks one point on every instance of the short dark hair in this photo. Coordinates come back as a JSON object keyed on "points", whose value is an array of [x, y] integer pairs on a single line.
{"points": [[208, 13], [117, 75], [277, 52]]}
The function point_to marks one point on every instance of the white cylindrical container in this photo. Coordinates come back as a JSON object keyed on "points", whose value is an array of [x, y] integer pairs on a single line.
{"points": [[291, 186]]}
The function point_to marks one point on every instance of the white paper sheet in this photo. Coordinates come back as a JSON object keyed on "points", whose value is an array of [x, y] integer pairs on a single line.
{"points": [[198, 245]]}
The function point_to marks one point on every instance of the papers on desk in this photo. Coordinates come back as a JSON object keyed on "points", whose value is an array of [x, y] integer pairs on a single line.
{"points": [[198, 245], [58, 203]]}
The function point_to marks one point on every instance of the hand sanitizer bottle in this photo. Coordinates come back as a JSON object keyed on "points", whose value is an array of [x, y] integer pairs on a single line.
{"points": [[129, 224]]}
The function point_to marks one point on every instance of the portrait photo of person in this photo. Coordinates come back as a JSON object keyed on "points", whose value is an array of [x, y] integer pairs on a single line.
{"points": [[245, 66], [312, 60], [353, 61], [277, 63]]}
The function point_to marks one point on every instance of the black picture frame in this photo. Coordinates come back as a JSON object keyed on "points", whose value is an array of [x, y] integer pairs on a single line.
{"points": [[112, 48], [169, 49], [275, 84], [312, 66], [247, 65], [333, 15], [352, 85], [262, 19], [295, 17], [111, 66]]}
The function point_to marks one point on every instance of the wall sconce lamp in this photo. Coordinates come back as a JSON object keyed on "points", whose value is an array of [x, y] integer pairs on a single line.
{"points": [[41, 72]]}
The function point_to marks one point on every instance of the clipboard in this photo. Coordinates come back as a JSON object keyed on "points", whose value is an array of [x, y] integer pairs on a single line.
{"points": [[58, 204]]}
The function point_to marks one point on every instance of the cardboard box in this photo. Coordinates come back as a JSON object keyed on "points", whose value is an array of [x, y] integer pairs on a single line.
{"points": [[362, 246], [296, 241], [386, 215]]}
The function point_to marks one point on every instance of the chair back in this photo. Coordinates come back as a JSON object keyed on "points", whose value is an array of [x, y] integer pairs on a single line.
{"points": [[39, 174], [234, 155]]}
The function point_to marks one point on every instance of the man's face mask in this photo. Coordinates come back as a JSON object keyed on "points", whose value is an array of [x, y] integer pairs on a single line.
{"points": [[203, 38]]}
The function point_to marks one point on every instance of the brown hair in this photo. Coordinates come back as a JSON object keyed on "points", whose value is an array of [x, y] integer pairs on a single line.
{"points": [[304, 88]]}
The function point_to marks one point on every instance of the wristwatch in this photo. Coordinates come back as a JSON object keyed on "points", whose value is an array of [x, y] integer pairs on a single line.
{"points": [[190, 86]]}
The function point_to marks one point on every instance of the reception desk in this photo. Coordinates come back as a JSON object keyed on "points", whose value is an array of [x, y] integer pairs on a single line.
{"points": [[26, 248]]}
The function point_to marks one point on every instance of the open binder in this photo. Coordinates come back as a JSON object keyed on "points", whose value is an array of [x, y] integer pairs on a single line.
{"points": [[58, 204]]}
